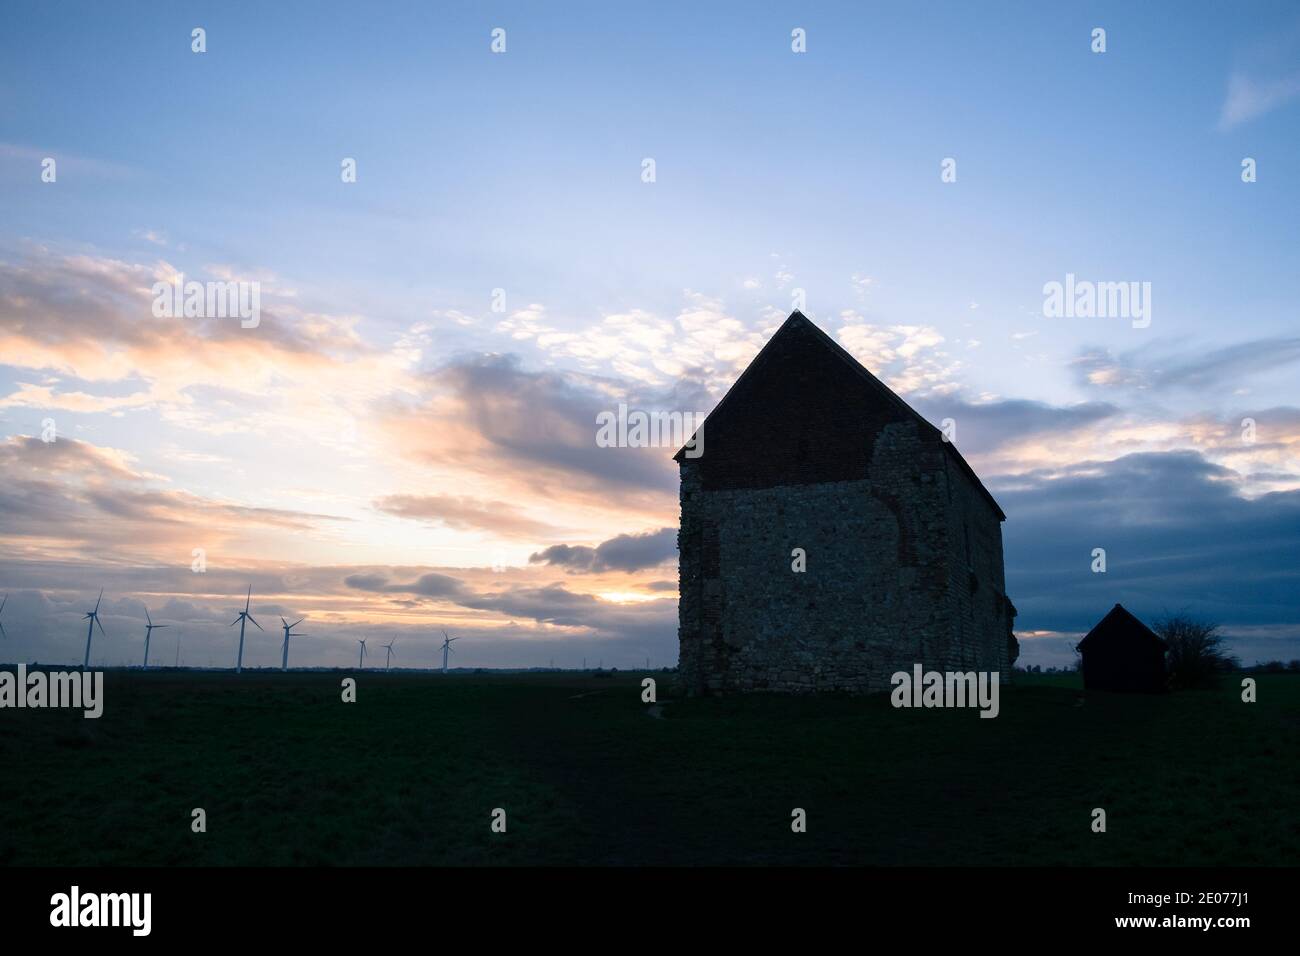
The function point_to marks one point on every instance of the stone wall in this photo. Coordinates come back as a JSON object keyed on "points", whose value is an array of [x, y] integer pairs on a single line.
{"points": [[888, 581], [982, 614]]}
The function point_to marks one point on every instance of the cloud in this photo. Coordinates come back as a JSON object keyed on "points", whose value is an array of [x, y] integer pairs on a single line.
{"points": [[529, 434], [907, 358], [67, 164], [463, 513], [1160, 367], [92, 317], [702, 340], [366, 582], [1260, 444], [574, 557], [526, 323], [427, 585], [52, 398], [71, 497], [551, 604], [627, 552], [1249, 98], [983, 427], [1178, 534], [86, 323]]}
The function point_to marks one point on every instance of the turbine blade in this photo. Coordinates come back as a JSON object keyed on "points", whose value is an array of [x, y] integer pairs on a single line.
{"points": [[159, 627], [297, 622], [100, 598], [255, 624], [2, 631], [3, 602], [249, 599], [284, 622], [232, 623], [101, 626], [147, 617]]}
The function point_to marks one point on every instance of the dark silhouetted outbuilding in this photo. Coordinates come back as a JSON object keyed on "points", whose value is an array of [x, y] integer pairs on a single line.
{"points": [[1123, 654]]}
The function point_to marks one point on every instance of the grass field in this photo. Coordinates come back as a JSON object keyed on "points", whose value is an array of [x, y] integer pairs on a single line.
{"points": [[288, 774]]}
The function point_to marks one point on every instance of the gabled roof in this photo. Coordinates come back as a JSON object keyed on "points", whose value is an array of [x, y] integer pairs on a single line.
{"points": [[1119, 619], [798, 320]]}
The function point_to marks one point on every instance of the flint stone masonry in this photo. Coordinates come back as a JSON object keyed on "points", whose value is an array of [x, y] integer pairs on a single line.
{"points": [[903, 543]]}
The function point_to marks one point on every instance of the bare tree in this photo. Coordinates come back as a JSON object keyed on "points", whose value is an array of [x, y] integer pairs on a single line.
{"points": [[1196, 656]]}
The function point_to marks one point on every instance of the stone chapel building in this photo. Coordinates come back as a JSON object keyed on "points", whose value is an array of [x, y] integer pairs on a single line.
{"points": [[901, 541]]}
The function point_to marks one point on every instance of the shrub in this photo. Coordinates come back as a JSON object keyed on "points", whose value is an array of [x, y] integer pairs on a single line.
{"points": [[1196, 655]]}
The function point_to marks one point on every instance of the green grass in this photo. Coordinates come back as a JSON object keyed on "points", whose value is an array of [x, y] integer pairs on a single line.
{"points": [[410, 774]]}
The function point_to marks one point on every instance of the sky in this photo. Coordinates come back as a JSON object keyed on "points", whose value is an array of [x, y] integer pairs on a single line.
{"points": [[405, 442]]}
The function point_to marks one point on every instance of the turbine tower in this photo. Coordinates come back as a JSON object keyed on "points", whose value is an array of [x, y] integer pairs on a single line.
{"points": [[3, 602], [361, 660], [148, 633], [446, 649], [284, 661], [93, 618], [244, 616], [389, 662]]}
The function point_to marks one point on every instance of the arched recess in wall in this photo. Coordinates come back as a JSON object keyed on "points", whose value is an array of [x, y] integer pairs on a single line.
{"points": [[906, 538]]}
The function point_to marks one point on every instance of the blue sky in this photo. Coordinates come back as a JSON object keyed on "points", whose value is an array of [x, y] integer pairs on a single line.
{"points": [[775, 172]]}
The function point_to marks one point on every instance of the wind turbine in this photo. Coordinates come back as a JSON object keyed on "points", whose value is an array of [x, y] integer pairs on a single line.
{"points": [[148, 632], [2, 607], [93, 618], [446, 649], [388, 663], [284, 662], [243, 616], [361, 661]]}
